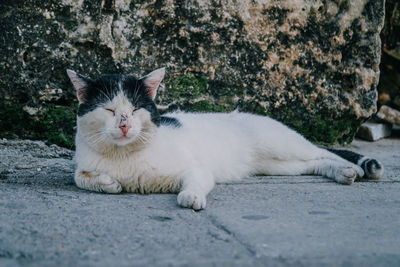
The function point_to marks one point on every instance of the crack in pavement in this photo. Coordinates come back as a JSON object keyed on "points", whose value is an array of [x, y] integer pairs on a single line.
{"points": [[224, 229]]}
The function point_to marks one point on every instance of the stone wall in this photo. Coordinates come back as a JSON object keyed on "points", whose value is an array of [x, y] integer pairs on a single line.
{"points": [[389, 84], [311, 64]]}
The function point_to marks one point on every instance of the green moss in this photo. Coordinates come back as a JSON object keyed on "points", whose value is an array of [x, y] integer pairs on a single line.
{"points": [[254, 107], [55, 124], [226, 101], [319, 128], [333, 131], [188, 86], [206, 106], [58, 124]]}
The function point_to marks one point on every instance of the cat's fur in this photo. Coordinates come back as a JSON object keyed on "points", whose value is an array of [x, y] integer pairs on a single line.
{"points": [[123, 144]]}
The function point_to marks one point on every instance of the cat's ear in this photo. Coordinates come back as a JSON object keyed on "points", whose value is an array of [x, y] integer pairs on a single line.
{"points": [[152, 81], [80, 83]]}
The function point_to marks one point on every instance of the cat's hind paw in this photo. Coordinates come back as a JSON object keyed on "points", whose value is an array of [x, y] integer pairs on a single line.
{"points": [[373, 169], [193, 200]]}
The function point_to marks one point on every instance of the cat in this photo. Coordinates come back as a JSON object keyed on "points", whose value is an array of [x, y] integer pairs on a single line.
{"points": [[123, 144]]}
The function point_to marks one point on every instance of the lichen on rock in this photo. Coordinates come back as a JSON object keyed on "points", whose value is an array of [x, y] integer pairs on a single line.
{"points": [[311, 64]]}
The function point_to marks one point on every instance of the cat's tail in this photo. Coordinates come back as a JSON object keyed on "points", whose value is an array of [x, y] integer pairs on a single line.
{"points": [[373, 169]]}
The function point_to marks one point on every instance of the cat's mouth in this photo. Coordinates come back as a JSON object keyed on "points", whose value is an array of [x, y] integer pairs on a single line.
{"points": [[122, 140], [123, 137]]}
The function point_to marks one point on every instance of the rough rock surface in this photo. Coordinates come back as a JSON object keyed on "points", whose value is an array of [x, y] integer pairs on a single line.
{"points": [[45, 220], [310, 64], [389, 81], [391, 30], [389, 114]]}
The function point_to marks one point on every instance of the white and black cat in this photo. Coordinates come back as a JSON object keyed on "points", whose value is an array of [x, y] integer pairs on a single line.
{"points": [[123, 144]]}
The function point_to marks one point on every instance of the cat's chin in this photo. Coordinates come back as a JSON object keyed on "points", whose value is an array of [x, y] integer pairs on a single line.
{"points": [[123, 141]]}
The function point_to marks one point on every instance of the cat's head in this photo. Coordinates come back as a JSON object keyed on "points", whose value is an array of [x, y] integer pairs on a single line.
{"points": [[116, 109]]}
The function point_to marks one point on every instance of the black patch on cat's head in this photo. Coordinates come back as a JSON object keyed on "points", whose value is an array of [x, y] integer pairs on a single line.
{"points": [[105, 88]]}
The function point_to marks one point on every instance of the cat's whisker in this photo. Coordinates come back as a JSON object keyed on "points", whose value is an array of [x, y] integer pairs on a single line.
{"points": [[92, 137], [107, 93], [145, 133], [135, 95], [143, 137], [94, 134], [107, 96], [95, 139]]}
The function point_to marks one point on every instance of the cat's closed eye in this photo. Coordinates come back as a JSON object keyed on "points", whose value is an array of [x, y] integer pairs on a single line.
{"points": [[110, 110], [135, 109]]}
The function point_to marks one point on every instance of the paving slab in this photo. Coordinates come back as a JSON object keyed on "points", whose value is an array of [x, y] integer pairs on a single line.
{"points": [[277, 220]]}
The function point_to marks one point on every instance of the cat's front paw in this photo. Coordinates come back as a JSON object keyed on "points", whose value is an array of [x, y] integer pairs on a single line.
{"points": [[348, 174], [193, 200], [109, 185], [97, 182]]}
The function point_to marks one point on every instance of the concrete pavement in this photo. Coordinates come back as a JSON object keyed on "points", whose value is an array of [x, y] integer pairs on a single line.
{"points": [[276, 221]]}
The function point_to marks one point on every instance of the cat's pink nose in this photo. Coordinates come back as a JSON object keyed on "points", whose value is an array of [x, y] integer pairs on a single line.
{"points": [[125, 128]]}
